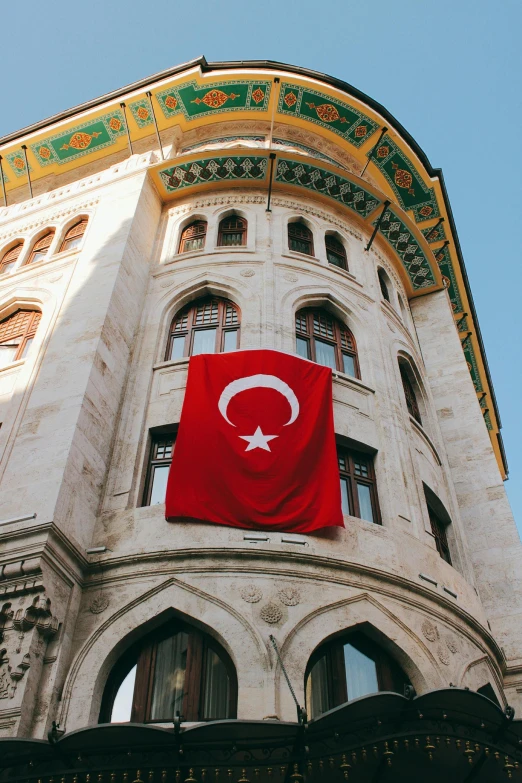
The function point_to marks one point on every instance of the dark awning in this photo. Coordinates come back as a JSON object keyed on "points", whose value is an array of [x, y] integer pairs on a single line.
{"points": [[449, 734]]}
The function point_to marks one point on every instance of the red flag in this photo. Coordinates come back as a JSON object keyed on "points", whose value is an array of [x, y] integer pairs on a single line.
{"points": [[256, 446]]}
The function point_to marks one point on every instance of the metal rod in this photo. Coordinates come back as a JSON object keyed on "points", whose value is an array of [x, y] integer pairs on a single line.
{"points": [[483, 395], [3, 182], [435, 227], [24, 147], [276, 81], [129, 142], [272, 158], [462, 318], [377, 225], [300, 712], [149, 96], [465, 340], [370, 156], [442, 249]]}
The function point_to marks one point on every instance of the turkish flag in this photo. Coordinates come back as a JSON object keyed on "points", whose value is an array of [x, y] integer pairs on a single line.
{"points": [[256, 447]]}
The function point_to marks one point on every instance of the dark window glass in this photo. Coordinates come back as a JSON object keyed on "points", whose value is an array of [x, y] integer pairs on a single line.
{"points": [[10, 258], [193, 236], [325, 340], [335, 252], [358, 485], [438, 528], [300, 238], [348, 668], [384, 287], [232, 231], [409, 393], [41, 248], [74, 235], [175, 670], [17, 333], [208, 325]]}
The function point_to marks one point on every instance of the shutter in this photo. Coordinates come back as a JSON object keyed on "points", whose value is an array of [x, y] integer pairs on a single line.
{"points": [[78, 230], [12, 255]]}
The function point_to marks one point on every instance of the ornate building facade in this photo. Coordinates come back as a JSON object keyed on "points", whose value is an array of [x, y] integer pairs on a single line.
{"points": [[211, 208]]}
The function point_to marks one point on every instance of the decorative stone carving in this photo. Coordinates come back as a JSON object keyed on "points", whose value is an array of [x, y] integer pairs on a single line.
{"points": [[290, 596], [251, 594], [99, 604], [443, 655], [247, 273], [49, 217], [452, 645], [271, 613], [290, 277], [38, 615], [430, 631], [304, 208]]}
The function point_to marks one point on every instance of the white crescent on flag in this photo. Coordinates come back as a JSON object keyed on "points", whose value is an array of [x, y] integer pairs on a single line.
{"points": [[258, 382]]}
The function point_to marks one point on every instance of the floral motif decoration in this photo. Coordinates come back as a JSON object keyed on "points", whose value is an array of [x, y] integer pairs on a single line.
{"points": [[198, 172], [290, 596], [407, 184], [215, 98], [408, 250], [194, 100], [17, 162], [443, 655], [321, 181], [99, 604], [325, 110], [271, 613], [251, 594], [430, 631], [80, 140]]}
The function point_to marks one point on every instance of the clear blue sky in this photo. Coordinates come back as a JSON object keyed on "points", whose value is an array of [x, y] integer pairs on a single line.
{"points": [[449, 71]]}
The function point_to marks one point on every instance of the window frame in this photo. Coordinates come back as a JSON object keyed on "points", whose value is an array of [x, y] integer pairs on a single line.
{"points": [[291, 228], [156, 438], [439, 533], [26, 334], [410, 396], [38, 246], [348, 474], [243, 230], [221, 326], [384, 285], [183, 238], [388, 669], [339, 252], [69, 235], [143, 654], [15, 249], [338, 326]]}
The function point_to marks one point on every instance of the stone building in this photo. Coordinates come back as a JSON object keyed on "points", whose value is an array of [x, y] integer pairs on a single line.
{"points": [[208, 208]]}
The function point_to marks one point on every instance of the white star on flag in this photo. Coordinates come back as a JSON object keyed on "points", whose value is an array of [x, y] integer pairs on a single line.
{"points": [[258, 440]]}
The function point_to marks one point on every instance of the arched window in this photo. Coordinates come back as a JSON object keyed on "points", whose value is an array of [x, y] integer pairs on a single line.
{"points": [[323, 339], [208, 325], [347, 668], [384, 285], [17, 333], [335, 252], [174, 670], [232, 231], [10, 258], [300, 238], [439, 523], [41, 248], [409, 393], [193, 236], [73, 237]]}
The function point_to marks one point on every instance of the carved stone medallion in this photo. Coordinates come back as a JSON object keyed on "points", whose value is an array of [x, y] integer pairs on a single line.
{"points": [[291, 277], [430, 631], [271, 613], [290, 596], [99, 604], [247, 273], [443, 655], [452, 645], [251, 594]]}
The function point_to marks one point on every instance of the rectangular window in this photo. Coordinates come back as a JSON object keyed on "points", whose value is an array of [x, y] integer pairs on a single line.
{"points": [[204, 341], [325, 354], [358, 486], [303, 347], [160, 458], [438, 528], [349, 365], [177, 348], [230, 341]]}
